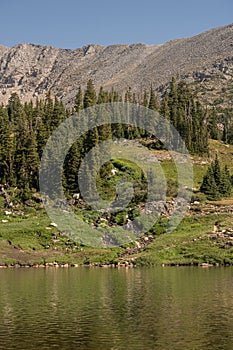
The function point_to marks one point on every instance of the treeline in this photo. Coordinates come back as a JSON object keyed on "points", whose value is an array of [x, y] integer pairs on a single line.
{"points": [[25, 128]]}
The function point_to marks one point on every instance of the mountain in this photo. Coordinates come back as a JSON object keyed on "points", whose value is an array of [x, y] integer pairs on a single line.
{"points": [[205, 60]]}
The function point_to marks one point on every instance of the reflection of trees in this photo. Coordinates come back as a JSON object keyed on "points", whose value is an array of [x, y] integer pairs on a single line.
{"points": [[85, 308], [7, 312], [218, 317], [167, 307]]}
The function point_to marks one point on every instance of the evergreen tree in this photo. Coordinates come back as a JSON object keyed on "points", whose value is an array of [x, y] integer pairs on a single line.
{"points": [[33, 161], [217, 171], [113, 96], [225, 185], [164, 108], [25, 128], [209, 186], [72, 164], [89, 95], [128, 95], [153, 102], [216, 182], [102, 96], [7, 149], [173, 102], [134, 98], [78, 104], [145, 99], [213, 128], [14, 107]]}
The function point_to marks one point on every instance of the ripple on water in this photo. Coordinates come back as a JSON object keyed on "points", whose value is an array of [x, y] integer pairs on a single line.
{"points": [[164, 309]]}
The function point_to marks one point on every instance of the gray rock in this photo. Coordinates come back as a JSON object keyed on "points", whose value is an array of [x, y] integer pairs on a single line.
{"points": [[32, 70]]}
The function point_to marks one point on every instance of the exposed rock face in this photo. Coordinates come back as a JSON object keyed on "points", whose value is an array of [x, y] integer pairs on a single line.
{"points": [[31, 70]]}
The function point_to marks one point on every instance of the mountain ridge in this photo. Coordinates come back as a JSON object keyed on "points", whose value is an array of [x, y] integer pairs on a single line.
{"points": [[31, 70]]}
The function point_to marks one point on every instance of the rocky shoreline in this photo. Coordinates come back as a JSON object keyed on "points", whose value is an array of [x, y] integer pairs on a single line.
{"points": [[124, 264]]}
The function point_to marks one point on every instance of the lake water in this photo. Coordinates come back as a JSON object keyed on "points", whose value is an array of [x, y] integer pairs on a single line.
{"points": [[111, 309]]}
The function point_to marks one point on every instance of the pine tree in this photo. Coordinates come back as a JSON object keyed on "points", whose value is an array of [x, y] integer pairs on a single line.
{"points": [[59, 113], [213, 128], [225, 185], [102, 96], [7, 149], [164, 108], [216, 182], [48, 113], [173, 102], [153, 102], [72, 164], [89, 95], [78, 104], [217, 171], [145, 99], [128, 95], [14, 107], [33, 161], [209, 186]]}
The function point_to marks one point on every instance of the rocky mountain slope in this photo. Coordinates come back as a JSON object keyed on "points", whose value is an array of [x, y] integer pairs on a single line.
{"points": [[206, 60]]}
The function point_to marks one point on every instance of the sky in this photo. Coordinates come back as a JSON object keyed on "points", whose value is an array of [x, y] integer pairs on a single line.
{"points": [[72, 24]]}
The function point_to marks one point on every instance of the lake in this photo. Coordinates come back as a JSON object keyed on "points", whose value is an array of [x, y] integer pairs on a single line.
{"points": [[170, 308]]}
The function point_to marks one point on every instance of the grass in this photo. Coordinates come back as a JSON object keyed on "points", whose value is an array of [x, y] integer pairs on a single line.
{"points": [[190, 244], [29, 238]]}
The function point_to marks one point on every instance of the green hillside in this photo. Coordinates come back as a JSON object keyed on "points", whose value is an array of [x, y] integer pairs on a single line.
{"points": [[27, 235]]}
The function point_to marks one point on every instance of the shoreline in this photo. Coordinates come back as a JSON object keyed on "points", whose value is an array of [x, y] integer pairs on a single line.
{"points": [[106, 265]]}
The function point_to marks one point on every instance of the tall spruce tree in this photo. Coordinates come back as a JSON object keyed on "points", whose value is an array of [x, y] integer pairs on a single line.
{"points": [[78, 103], [145, 99], [217, 171], [153, 101], [225, 186], [89, 95]]}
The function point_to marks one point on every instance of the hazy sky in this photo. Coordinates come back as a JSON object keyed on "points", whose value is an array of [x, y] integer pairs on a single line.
{"points": [[72, 24]]}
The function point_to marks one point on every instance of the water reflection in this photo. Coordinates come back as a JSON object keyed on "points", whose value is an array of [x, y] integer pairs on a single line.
{"points": [[83, 308]]}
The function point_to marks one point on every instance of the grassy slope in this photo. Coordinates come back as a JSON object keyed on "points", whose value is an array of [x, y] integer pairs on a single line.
{"points": [[190, 243], [27, 237]]}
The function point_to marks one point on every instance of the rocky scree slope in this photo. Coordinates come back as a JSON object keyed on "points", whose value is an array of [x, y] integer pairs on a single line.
{"points": [[205, 60]]}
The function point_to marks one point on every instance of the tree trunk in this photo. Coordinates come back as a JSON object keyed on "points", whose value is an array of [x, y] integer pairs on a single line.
{"points": [[7, 201]]}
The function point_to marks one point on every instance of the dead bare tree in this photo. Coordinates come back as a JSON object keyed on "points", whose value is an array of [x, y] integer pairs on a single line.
{"points": [[7, 201]]}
